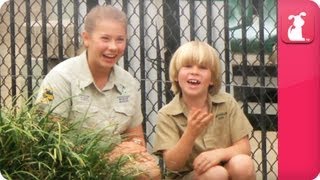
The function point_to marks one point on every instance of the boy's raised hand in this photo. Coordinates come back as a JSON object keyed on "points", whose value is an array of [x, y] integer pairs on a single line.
{"points": [[197, 121]]}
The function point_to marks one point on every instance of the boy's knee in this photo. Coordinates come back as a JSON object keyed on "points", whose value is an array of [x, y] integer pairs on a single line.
{"points": [[241, 167], [216, 172]]}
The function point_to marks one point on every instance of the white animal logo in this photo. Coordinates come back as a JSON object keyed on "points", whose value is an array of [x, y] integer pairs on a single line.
{"points": [[317, 2], [318, 177], [295, 30]]}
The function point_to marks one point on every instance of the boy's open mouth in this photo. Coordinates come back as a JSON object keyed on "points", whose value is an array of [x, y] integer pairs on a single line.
{"points": [[193, 81]]}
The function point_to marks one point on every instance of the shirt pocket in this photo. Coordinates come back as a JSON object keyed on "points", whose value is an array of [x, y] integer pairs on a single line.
{"points": [[86, 115], [218, 134], [122, 116], [126, 110]]}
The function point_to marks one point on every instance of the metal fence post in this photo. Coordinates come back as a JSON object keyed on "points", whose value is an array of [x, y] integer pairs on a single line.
{"points": [[13, 53], [171, 37], [91, 4]]}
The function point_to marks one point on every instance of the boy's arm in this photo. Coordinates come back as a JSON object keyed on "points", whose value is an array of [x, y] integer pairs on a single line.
{"points": [[217, 156], [176, 157], [240, 147]]}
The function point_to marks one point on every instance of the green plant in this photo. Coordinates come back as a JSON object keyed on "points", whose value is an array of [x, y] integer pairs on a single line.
{"points": [[35, 145]]}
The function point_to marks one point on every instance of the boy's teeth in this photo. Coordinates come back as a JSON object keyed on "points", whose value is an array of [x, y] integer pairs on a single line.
{"points": [[193, 81]]}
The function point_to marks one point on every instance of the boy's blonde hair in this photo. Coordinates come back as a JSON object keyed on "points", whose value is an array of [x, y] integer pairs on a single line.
{"points": [[199, 53]]}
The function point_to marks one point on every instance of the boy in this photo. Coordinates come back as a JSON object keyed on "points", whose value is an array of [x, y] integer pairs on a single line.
{"points": [[202, 133]]}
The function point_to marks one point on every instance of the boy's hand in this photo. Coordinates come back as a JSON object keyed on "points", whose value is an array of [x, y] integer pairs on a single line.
{"points": [[206, 160], [198, 121]]}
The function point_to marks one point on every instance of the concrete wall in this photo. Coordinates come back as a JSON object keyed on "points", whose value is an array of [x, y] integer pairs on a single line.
{"points": [[36, 44]]}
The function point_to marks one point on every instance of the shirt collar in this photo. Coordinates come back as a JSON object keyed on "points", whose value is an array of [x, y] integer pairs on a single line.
{"points": [[177, 106], [218, 98], [115, 79], [85, 76]]}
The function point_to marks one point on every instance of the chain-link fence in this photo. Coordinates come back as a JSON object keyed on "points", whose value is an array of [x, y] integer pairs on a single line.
{"points": [[38, 34]]}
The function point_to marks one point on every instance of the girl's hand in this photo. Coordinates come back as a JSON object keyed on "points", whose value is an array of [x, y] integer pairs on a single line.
{"points": [[126, 148]]}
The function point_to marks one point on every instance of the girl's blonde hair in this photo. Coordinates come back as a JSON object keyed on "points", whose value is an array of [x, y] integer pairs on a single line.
{"points": [[100, 13], [199, 53]]}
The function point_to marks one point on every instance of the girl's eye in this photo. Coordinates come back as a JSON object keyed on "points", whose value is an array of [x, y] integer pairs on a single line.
{"points": [[105, 38], [120, 40]]}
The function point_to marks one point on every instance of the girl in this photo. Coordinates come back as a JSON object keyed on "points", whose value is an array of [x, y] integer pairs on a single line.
{"points": [[92, 87]]}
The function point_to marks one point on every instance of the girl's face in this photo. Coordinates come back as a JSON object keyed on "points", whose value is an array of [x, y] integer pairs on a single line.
{"points": [[194, 80], [105, 45]]}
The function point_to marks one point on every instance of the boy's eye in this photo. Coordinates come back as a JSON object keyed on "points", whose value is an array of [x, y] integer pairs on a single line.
{"points": [[203, 67]]}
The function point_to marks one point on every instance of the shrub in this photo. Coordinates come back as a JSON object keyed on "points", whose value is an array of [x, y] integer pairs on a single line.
{"points": [[35, 145]]}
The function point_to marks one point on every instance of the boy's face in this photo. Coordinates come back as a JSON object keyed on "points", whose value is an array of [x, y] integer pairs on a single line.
{"points": [[194, 80]]}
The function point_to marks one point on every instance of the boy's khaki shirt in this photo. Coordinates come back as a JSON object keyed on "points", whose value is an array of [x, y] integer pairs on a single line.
{"points": [[228, 126]]}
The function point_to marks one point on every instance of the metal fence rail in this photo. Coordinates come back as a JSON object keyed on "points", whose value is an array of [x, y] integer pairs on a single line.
{"points": [[38, 34]]}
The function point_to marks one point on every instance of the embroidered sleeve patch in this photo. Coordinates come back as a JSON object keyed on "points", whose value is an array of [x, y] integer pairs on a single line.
{"points": [[47, 95]]}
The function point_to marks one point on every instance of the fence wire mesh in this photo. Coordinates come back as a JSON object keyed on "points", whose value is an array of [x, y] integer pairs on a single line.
{"points": [[38, 34]]}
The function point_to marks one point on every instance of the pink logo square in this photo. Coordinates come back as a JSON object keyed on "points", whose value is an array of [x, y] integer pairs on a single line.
{"points": [[297, 26]]}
